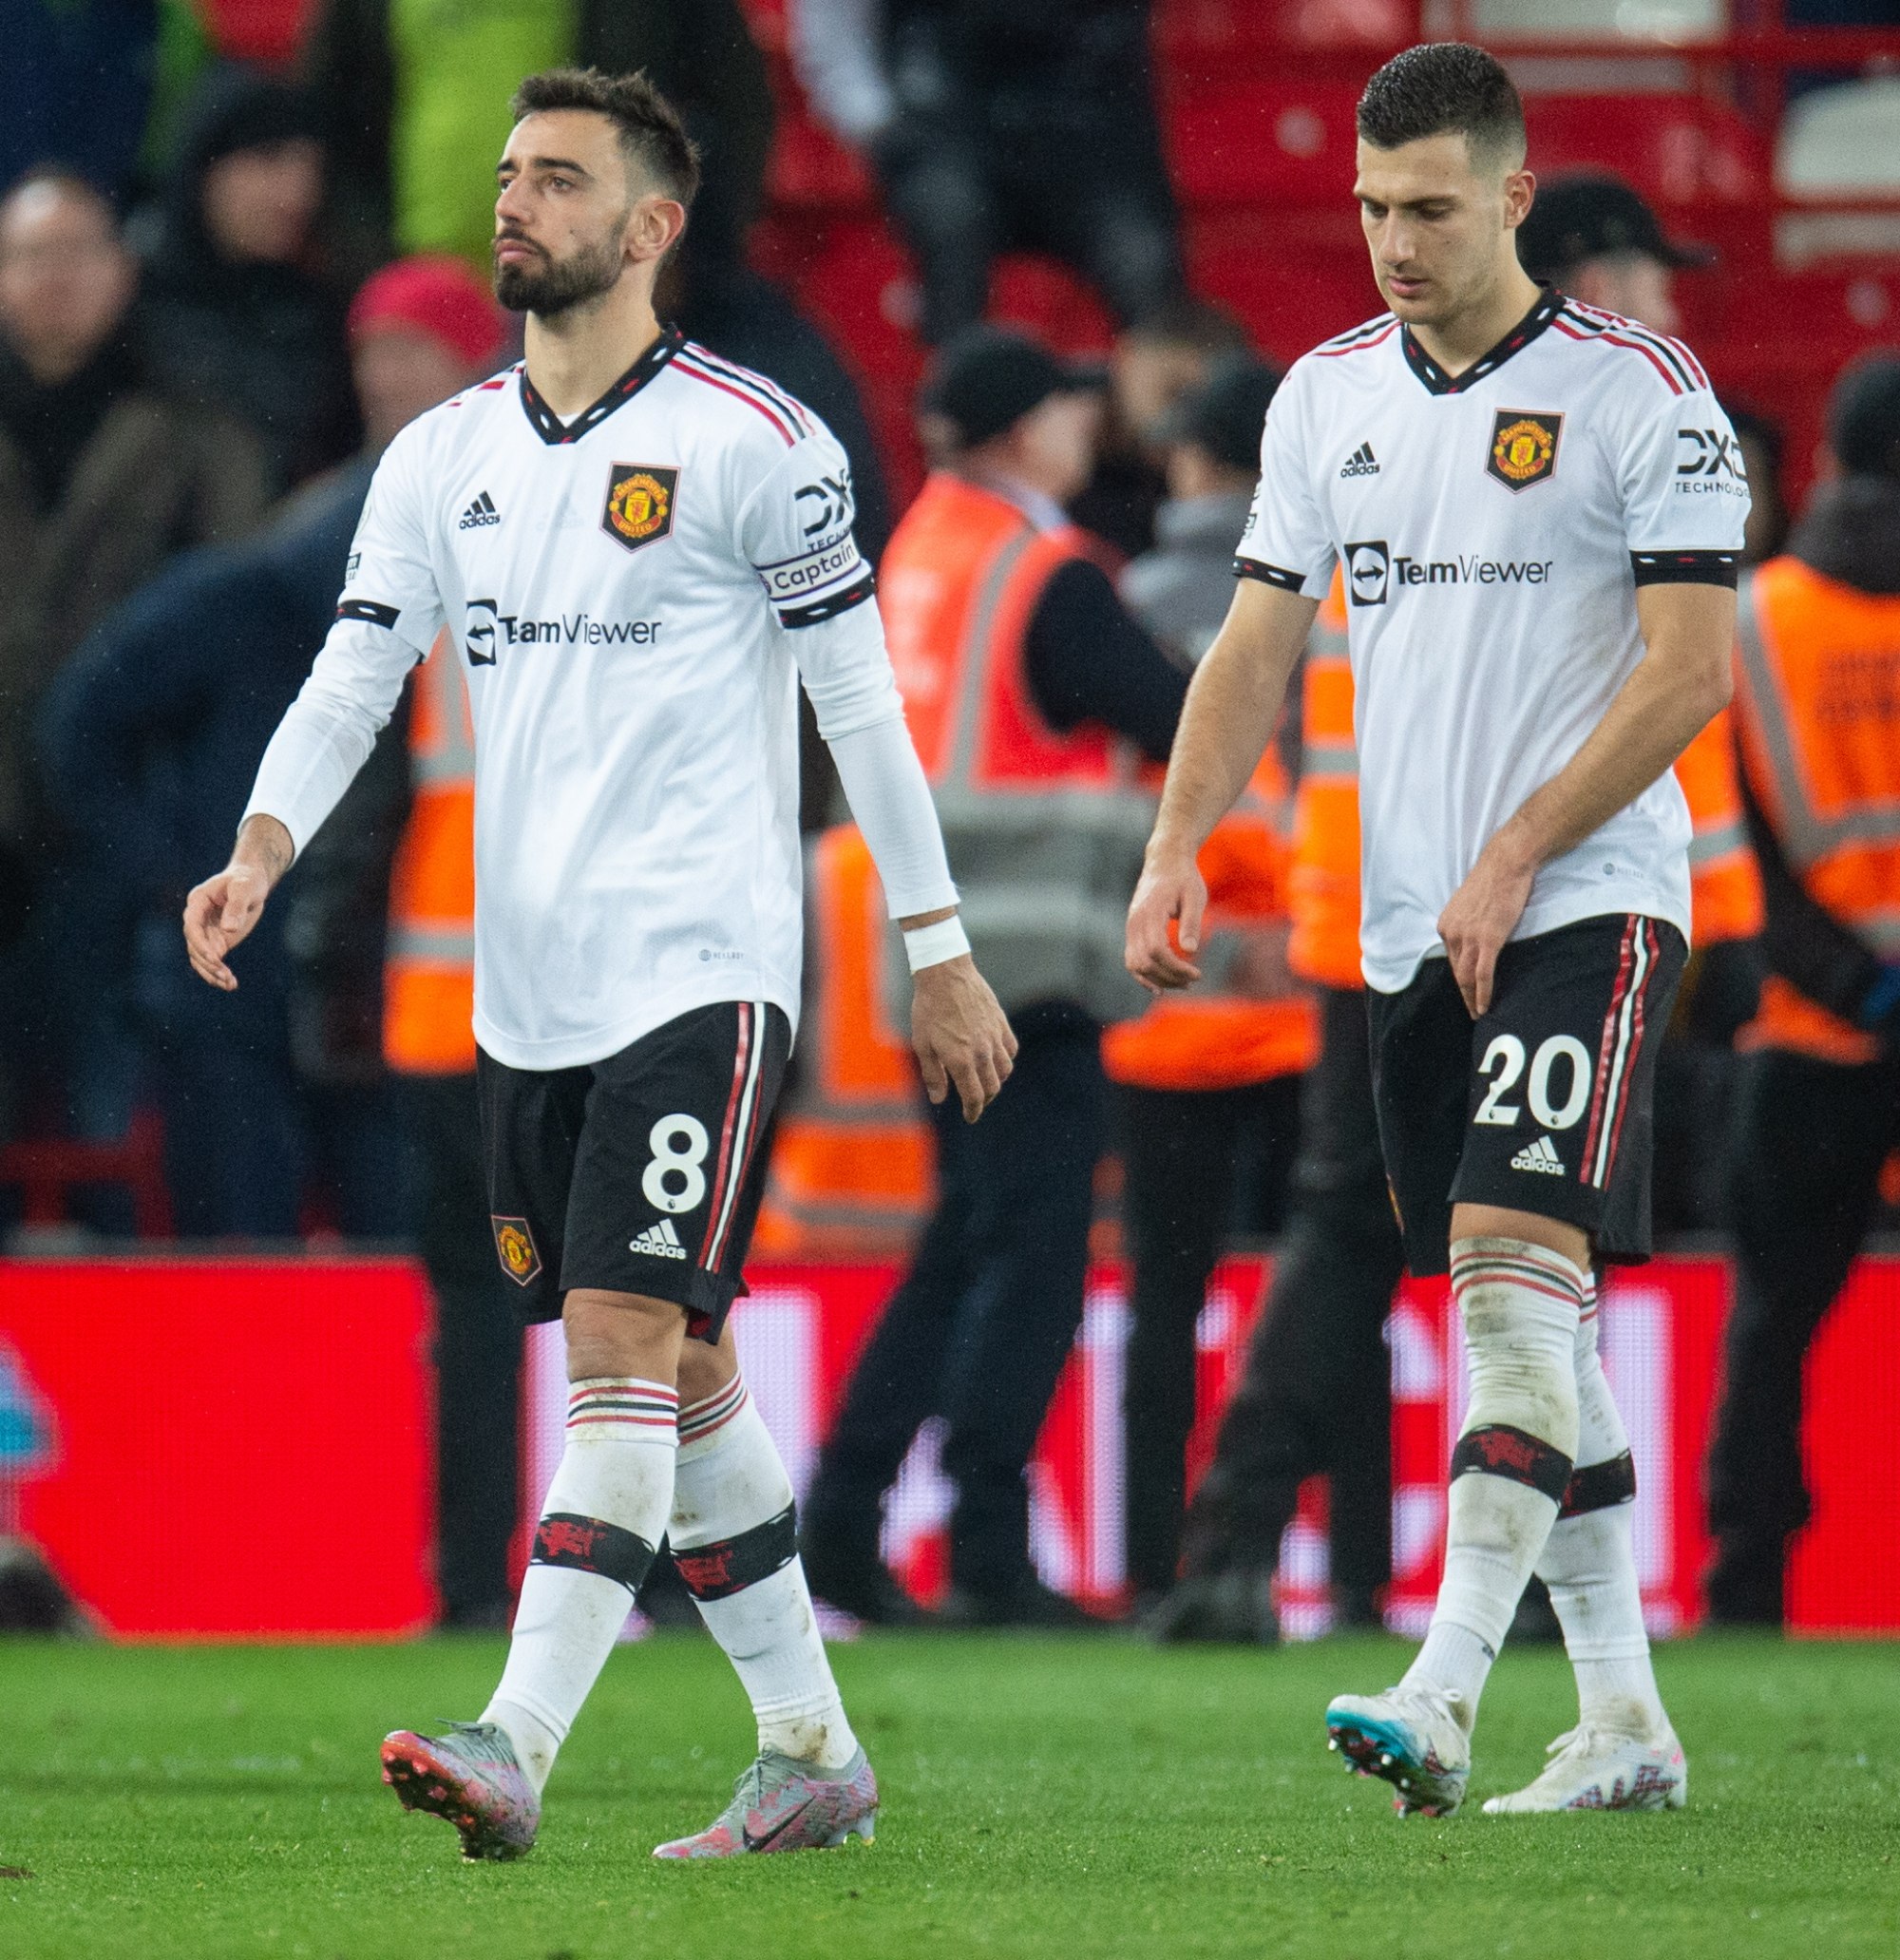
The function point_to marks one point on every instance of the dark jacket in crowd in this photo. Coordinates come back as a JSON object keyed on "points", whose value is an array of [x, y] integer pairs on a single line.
{"points": [[1027, 128], [1009, 55], [153, 735], [260, 341], [1850, 533], [102, 479]]}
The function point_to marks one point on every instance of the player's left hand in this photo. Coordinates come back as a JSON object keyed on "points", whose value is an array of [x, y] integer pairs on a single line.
{"points": [[962, 1036], [1480, 918], [1164, 921]]}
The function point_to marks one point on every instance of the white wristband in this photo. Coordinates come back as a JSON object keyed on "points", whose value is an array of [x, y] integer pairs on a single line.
{"points": [[930, 945]]}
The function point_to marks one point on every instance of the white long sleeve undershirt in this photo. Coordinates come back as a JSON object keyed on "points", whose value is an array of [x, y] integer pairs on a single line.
{"points": [[327, 731], [848, 674]]}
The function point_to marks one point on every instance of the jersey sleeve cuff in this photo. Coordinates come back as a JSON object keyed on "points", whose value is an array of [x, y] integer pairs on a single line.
{"points": [[1685, 567], [1269, 574]]}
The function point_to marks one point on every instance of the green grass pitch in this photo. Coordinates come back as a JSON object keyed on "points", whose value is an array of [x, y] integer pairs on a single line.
{"points": [[1070, 1798]]}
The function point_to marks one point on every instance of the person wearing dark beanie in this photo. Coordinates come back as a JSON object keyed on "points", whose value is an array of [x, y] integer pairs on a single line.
{"points": [[234, 313]]}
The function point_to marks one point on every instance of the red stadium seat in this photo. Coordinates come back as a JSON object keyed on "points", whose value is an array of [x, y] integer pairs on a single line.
{"points": [[1676, 149], [1295, 278], [809, 168], [1252, 141], [46, 1172]]}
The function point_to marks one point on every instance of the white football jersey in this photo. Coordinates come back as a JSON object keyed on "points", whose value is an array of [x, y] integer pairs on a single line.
{"points": [[1494, 529], [625, 591]]}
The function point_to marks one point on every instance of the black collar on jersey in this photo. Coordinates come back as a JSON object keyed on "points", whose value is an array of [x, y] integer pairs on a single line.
{"points": [[1550, 304], [549, 426]]}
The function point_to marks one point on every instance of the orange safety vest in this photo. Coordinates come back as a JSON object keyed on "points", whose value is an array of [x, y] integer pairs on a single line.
{"points": [[853, 1168], [1323, 895], [1725, 885], [1045, 830], [1208, 1038], [429, 974], [1818, 700], [1724, 882]]}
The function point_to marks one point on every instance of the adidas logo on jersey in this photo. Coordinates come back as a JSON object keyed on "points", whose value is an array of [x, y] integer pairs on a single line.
{"points": [[1540, 1155], [658, 1242], [1361, 462], [481, 512]]}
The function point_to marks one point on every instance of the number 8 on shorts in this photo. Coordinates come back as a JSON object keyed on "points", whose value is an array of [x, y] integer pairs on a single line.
{"points": [[679, 1144]]}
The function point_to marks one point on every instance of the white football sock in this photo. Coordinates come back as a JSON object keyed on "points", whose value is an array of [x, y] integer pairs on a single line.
{"points": [[1520, 1305], [1589, 1563], [734, 1540], [605, 1511]]}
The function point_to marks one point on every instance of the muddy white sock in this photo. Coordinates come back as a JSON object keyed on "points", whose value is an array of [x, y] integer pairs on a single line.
{"points": [[734, 1540], [605, 1511], [1588, 1562], [1520, 1305]]}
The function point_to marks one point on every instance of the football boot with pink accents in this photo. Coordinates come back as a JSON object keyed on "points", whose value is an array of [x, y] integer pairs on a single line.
{"points": [[781, 1804], [1599, 1769], [1413, 1738], [472, 1777]]}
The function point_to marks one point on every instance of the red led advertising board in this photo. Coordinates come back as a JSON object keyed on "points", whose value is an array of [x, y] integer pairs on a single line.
{"points": [[228, 1448]]}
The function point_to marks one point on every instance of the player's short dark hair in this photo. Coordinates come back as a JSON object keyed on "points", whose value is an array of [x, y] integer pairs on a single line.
{"points": [[651, 133], [1439, 87]]}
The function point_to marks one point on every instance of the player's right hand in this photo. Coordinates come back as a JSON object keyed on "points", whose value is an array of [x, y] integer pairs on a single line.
{"points": [[217, 915], [961, 1034], [1171, 893]]}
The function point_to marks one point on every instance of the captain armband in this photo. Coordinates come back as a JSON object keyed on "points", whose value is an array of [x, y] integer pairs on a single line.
{"points": [[819, 584]]}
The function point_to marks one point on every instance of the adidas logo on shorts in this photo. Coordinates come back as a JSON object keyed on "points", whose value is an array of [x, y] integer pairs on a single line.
{"points": [[1361, 462], [658, 1242], [1540, 1155], [481, 512]]}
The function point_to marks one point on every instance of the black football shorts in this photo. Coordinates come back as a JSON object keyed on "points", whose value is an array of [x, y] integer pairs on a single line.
{"points": [[641, 1173], [1542, 1105]]}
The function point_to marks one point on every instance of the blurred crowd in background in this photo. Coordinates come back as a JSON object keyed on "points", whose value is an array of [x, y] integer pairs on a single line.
{"points": [[224, 286]]}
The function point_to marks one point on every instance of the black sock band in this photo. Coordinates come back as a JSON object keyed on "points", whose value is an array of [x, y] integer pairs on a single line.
{"points": [[1600, 1486], [730, 1565], [1498, 1450], [591, 1545]]}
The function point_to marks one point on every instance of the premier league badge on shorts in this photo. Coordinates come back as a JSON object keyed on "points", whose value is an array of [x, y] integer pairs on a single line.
{"points": [[639, 503], [1523, 446], [516, 1245]]}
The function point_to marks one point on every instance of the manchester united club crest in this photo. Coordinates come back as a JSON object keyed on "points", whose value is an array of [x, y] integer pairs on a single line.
{"points": [[516, 1245], [640, 503], [1522, 448]]}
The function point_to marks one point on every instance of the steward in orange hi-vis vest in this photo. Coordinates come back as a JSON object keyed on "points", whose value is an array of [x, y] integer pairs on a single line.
{"points": [[1816, 1114], [1223, 1034], [1724, 883], [1323, 892], [429, 977], [852, 1162], [1817, 676], [1045, 829]]}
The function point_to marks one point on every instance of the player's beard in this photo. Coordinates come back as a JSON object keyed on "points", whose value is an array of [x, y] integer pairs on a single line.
{"points": [[549, 286]]}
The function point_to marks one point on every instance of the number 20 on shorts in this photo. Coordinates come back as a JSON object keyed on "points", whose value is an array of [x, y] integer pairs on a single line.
{"points": [[1505, 1055]]}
